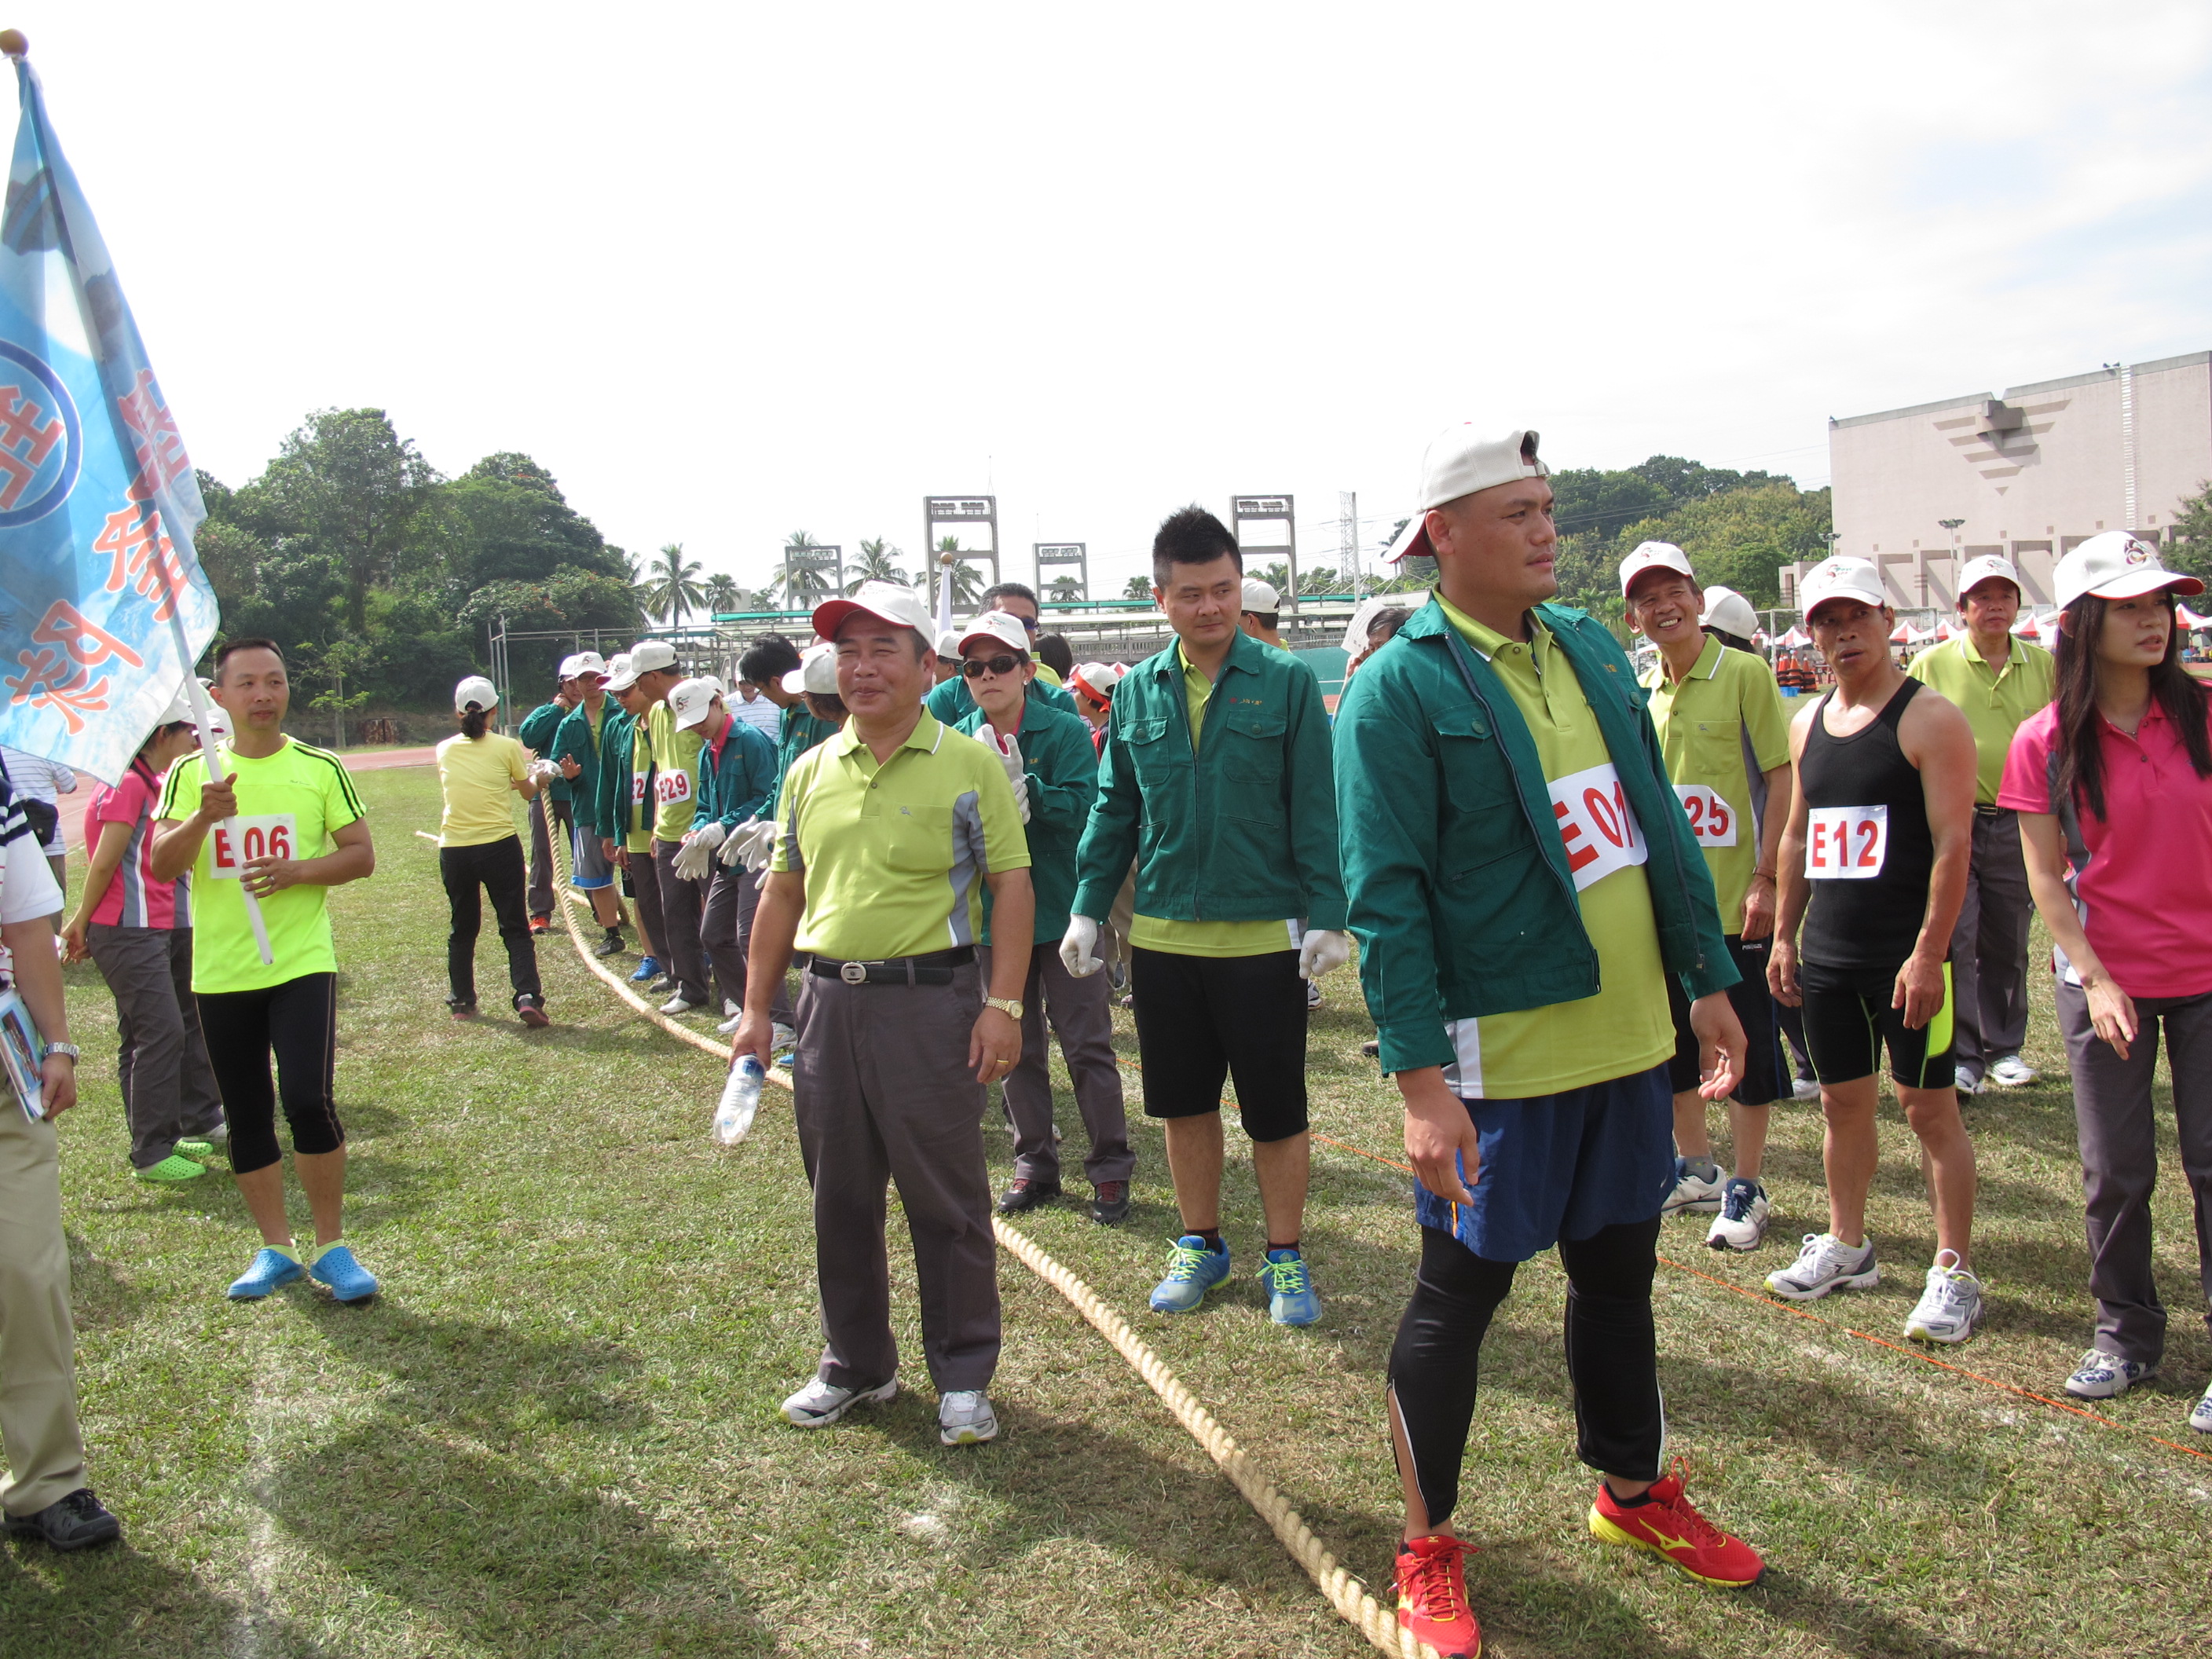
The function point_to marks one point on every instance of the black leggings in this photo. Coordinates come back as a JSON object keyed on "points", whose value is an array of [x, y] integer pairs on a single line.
{"points": [[496, 866], [1620, 1426], [298, 1022]]}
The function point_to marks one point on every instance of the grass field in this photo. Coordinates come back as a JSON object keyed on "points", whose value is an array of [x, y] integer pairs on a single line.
{"points": [[554, 1433]]}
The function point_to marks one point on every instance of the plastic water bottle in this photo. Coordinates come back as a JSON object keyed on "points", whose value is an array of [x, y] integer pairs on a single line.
{"points": [[740, 1101]]}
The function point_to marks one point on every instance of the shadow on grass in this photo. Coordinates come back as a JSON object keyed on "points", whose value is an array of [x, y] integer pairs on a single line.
{"points": [[120, 1604]]}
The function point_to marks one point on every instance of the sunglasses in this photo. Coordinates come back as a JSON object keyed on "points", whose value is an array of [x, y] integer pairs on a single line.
{"points": [[975, 667]]}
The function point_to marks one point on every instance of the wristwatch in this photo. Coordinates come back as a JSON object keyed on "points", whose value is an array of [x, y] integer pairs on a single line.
{"points": [[68, 1048], [1009, 1006]]}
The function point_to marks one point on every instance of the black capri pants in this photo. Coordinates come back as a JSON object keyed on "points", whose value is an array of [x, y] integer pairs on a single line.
{"points": [[496, 867], [297, 1023], [1202, 1020]]}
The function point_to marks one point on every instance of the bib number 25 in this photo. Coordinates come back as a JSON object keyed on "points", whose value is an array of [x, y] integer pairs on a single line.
{"points": [[1846, 843], [232, 845], [1711, 820]]}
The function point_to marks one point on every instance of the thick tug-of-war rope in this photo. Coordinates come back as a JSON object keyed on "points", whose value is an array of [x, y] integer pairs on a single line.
{"points": [[1346, 1593]]}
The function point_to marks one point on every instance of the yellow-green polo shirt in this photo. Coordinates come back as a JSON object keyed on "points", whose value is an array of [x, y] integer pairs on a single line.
{"points": [[1208, 938], [1626, 1028], [1720, 731], [676, 775], [895, 854], [1994, 701], [637, 813]]}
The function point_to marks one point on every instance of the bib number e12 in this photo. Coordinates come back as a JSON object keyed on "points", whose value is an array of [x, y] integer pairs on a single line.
{"points": [[1712, 821], [234, 845], [1846, 843]]}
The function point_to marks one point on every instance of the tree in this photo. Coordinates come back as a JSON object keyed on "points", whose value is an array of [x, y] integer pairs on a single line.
{"points": [[1067, 589], [723, 595], [1136, 588], [1276, 575], [2192, 537], [799, 580], [966, 583], [672, 586], [505, 519], [876, 564]]}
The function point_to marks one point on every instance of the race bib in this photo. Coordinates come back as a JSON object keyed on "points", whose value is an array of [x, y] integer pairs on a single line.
{"points": [[272, 836], [1846, 843], [1711, 819], [637, 788], [669, 787], [1601, 832]]}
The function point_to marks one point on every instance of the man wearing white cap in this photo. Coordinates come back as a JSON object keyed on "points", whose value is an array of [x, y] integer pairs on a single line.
{"points": [[1523, 882], [1262, 612], [575, 752], [552, 813], [1997, 681], [737, 769], [673, 789], [889, 833], [1726, 743], [623, 813], [1874, 865]]}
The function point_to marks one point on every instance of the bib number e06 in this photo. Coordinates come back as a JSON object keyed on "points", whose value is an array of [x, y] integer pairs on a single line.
{"points": [[232, 845], [1711, 819], [1846, 843]]}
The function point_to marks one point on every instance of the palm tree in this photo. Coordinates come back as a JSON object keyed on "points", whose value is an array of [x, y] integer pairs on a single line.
{"points": [[1136, 588], [801, 581], [967, 582], [722, 592], [671, 585], [1066, 588], [874, 564]]}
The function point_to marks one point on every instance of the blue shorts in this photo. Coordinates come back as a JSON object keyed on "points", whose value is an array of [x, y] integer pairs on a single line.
{"points": [[1559, 1166]]}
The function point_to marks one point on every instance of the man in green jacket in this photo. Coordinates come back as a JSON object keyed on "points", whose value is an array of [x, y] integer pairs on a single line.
{"points": [[550, 813], [576, 751], [1215, 778], [624, 816], [1522, 879]]}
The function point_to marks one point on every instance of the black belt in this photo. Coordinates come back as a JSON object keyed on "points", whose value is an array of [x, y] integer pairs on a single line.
{"points": [[935, 968], [1982, 812]]}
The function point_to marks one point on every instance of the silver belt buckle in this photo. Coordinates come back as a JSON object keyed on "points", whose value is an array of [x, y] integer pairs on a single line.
{"points": [[853, 973]]}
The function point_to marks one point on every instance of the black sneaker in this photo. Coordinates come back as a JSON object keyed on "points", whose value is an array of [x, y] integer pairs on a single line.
{"points": [[73, 1523], [533, 1011], [1373, 1047], [1027, 1194], [611, 946], [1109, 1201], [663, 985]]}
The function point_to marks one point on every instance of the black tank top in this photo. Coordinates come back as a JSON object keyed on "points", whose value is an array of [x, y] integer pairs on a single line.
{"points": [[1869, 853]]}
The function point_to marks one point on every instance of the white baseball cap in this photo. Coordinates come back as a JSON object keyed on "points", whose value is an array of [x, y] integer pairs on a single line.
{"points": [[1260, 597], [1839, 578], [1458, 462], [620, 675], [1098, 679], [1730, 611], [890, 602], [948, 643], [474, 690], [817, 673], [1000, 625], [584, 662], [690, 701], [1653, 556], [1981, 568], [2116, 566], [218, 716], [649, 656]]}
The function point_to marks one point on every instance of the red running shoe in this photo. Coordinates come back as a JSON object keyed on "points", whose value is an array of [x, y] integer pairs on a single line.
{"points": [[1432, 1596], [1670, 1527]]}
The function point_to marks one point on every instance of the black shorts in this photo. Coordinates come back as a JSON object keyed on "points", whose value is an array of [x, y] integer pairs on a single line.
{"points": [[1202, 1019], [1847, 1019], [1763, 1079]]}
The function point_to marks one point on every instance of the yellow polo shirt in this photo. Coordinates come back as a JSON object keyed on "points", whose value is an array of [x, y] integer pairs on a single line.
{"points": [[675, 774], [1994, 701], [895, 853], [473, 774], [1720, 731], [1626, 1028]]}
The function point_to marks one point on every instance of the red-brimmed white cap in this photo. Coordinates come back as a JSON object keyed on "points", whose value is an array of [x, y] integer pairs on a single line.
{"points": [[1458, 462], [1653, 556], [887, 601], [1097, 680], [1000, 625], [2116, 566], [1982, 567]]}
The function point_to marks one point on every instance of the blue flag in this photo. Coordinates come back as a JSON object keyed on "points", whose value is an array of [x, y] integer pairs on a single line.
{"points": [[103, 606]]}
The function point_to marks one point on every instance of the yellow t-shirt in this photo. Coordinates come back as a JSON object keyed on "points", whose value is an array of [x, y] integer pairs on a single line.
{"points": [[676, 775], [637, 817], [474, 774], [1626, 1028], [1209, 938]]}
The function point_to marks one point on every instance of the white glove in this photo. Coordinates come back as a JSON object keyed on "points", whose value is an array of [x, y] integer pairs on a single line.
{"points": [[694, 858], [1077, 948], [543, 772], [1008, 749], [710, 835], [733, 847], [755, 843], [1323, 952]]}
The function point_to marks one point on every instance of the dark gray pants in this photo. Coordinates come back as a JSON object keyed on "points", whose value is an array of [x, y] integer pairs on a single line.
{"points": [[883, 1093], [681, 903], [1989, 950], [542, 897], [2113, 1112], [1080, 1011], [726, 934], [169, 1089]]}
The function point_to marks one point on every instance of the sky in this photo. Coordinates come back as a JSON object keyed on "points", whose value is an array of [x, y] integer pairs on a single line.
{"points": [[730, 272]]}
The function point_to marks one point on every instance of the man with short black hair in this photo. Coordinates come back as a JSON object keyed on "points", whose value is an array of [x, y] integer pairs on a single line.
{"points": [[675, 765]]}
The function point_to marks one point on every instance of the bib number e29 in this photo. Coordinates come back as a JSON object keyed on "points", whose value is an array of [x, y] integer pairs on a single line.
{"points": [[1600, 831], [669, 787], [1712, 822], [1846, 843], [232, 845]]}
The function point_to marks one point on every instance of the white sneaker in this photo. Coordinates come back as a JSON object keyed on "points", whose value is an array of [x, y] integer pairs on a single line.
{"points": [[680, 1003], [819, 1404], [2010, 1072], [1313, 995], [1825, 1263], [1951, 1305], [781, 1037], [964, 1418], [1693, 1194], [730, 1024], [1741, 1223], [1804, 1088], [2102, 1376], [2200, 1418]]}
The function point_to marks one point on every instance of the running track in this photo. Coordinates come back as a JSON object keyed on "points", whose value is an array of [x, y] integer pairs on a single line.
{"points": [[73, 807]]}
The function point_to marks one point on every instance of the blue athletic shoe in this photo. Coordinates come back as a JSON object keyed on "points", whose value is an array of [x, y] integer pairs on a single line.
{"points": [[271, 1270], [1192, 1271], [648, 970], [349, 1280], [1291, 1298]]}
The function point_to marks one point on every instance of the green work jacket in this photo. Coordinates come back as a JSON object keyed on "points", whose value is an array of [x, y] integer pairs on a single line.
{"points": [[1063, 770], [1243, 830], [731, 791], [800, 732], [571, 740], [953, 702], [536, 733], [612, 816], [1459, 891]]}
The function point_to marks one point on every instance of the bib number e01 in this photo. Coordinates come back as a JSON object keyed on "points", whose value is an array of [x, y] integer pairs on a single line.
{"points": [[1600, 831], [234, 845], [1846, 843], [1712, 822]]}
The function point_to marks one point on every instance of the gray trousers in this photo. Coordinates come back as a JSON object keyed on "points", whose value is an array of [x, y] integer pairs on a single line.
{"points": [[1989, 950], [726, 935], [883, 1093], [39, 1431], [682, 901], [161, 1059], [2113, 1112], [541, 851], [1081, 1013]]}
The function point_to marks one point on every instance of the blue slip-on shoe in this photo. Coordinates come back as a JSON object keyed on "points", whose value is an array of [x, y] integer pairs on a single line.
{"points": [[1291, 1298], [271, 1270], [349, 1280], [648, 970], [1192, 1271]]}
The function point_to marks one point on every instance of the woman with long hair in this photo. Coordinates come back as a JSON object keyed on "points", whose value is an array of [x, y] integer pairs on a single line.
{"points": [[2113, 784], [479, 848]]}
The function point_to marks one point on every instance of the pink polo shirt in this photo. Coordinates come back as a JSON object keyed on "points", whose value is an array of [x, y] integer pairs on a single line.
{"points": [[2143, 875], [134, 898]]}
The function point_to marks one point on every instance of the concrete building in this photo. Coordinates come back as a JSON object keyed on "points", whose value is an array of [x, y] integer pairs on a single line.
{"points": [[2029, 475]]}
